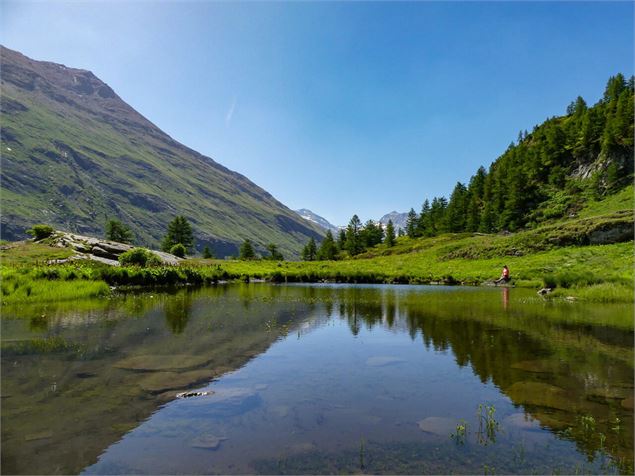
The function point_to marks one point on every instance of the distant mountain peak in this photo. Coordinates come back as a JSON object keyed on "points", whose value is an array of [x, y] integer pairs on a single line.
{"points": [[317, 219]]}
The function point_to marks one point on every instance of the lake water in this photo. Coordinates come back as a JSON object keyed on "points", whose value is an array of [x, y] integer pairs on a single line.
{"points": [[318, 379]]}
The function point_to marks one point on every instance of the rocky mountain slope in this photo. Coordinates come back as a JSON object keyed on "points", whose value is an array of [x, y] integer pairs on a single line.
{"points": [[74, 154], [398, 219], [317, 219]]}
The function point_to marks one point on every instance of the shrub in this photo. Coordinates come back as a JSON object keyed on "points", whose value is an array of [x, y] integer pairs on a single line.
{"points": [[39, 232], [139, 257], [178, 250]]}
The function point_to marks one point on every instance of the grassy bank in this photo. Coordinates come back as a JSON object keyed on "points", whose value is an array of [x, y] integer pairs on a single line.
{"points": [[600, 273], [560, 255]]}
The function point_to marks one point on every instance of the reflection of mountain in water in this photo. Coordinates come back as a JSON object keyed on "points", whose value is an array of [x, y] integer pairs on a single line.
{"points": [[79, 380], [561, 372]]}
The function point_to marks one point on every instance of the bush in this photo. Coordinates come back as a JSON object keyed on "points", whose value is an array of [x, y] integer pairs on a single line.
{"points": [[139, 257], [178, 250], [39, 232]]}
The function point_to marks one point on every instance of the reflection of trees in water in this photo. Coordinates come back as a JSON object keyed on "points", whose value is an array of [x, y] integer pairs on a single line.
{"points": [[177, 312], [526, 356]]}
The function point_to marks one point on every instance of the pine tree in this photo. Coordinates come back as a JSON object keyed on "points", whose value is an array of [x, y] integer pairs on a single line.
{"points": [[179, 231], [371, 234], [457, 209], [341, 240], [328, 248], [423, 224], [117, 231], [207, 253], [411, 223], [389, 241], [309, 252], [247, 250], [274, 254], [354, 243], [475, 189]]}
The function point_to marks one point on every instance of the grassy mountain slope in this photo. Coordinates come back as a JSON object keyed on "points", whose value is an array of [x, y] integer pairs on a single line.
{"points": [[74, 155]]}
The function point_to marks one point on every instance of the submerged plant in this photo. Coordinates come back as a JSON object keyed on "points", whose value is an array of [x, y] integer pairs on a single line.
{"points": [[361, 454], [487, 424], [460, 433], [588, 423]]}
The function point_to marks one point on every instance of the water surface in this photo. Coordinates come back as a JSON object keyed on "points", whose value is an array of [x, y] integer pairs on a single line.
{"points": [[319, 379]]}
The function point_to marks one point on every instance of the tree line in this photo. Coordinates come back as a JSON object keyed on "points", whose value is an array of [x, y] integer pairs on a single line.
{"points": [[547, 173], [353, 240]]}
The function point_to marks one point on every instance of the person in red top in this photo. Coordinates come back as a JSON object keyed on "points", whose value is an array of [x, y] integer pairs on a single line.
{"points": [[504, 276]]}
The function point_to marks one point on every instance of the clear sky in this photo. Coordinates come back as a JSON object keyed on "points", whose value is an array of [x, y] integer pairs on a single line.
{"points": [[341, 108]]}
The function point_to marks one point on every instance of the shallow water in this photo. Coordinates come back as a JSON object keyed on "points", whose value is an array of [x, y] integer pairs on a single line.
{"points": [[318, 379]]}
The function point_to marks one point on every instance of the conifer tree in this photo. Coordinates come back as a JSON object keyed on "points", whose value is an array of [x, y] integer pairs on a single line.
{"points": [[309, 252], [207, 253], [247, 250], [341, 240], [354, 243], [423, 224], [389, 240], [179, 231], [328, 248], [411, 223], [457, 209], [274, 254], [117, 231]]}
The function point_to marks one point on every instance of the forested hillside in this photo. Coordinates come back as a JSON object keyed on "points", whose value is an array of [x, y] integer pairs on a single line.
{"points": [[550, 172]]}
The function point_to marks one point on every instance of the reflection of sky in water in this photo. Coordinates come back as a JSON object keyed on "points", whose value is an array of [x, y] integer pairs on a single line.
{"points": [[323, 391]]}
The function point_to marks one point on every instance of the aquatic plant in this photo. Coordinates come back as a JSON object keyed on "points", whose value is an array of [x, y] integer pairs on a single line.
{"points": [[488, 426], [460, 433]]}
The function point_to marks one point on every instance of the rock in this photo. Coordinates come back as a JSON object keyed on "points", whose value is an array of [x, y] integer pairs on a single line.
{"points": [[381, 361], [114, 247], [544, 291], [538, 366], [158, 382], [612, 233], [521, 421], [627, 403], [162, 362], [608, 393], [553, 421], [99, 251], [438, 425], [228, 402], [281, 411], [302, 447], [208, 442], [111, 262], [43, 435], [541, 395], [193, 394]]}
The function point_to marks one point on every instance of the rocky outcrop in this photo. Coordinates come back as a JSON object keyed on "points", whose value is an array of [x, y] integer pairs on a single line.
{"points": [[104, 251]]}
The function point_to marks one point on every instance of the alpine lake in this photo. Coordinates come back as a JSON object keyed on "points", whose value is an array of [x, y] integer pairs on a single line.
{"points": [[318, 379]]}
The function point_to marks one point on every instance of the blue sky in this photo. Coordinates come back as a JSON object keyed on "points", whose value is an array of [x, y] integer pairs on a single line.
{"points": [[338, 107]]}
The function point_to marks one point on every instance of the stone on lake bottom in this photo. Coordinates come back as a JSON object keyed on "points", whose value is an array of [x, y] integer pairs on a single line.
{"points": [[438, 425], [207, 442]]}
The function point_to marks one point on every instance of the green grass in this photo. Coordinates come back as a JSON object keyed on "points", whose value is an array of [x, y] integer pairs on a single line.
{"points": [[20, 253], [602, 292], [557, 255], [21, 285]]}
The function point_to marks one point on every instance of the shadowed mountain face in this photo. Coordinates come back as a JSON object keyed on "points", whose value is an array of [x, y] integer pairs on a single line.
{"points": [[74, 154]]}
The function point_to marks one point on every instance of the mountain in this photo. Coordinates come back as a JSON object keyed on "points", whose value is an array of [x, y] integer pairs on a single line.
{"points": [[398, 219], [318, 220], [74, 154]]}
